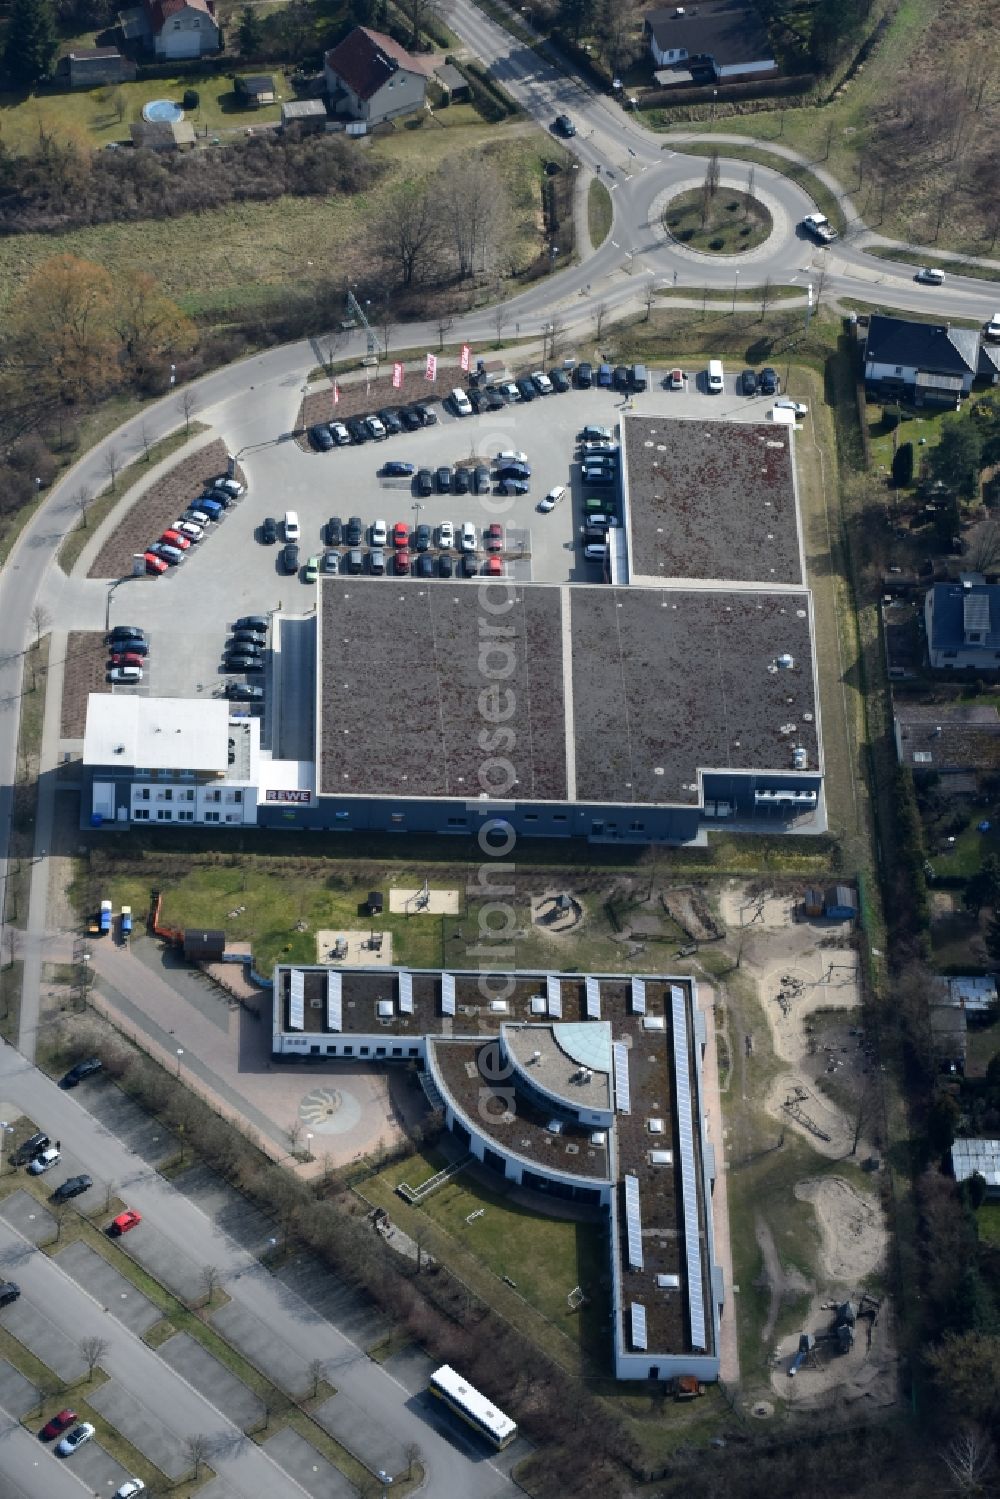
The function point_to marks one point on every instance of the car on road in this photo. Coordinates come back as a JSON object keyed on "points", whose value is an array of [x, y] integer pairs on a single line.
{"points": [[130, 1219], [769, 382], [401, 563], [467, 537], [422, 538], [493, 537], [748, 382], [550, 501], [243, 661], [389, 418], [541, 382], [461, 480], [526, 388], [130, 1488], [331, 563], [513, 486], [424, 483], [785, 404], [400, 534], [481, 480], [57, 1424], [930, 276], [594, 434], [446, 566], [83, 1069], [583, 376], [340, 434], [290, 557], [334, 531], [9, 1291], [311, 572], [446, 535], [75, 1439], [320, 438], [442, 478], [394, 469], [563, 125], [379, 533], [257, 622], [154, 564], [461, 405], [44, 1160], [376, 428], [243, 692], [268, 531], [354, 532], [73, 1186]]}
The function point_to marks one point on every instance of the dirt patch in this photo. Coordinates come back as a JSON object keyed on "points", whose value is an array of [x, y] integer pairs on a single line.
{"points": [[781, 1283], [557, 912], [421, 902], [688, 908], [155, 507], [852, 1231], [86, 665]]}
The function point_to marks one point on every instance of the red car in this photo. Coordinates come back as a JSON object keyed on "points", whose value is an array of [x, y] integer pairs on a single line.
{"points": [[121, 1225], [401, 534], [493, 567], [155, 564], [494, 537], [57, 1425], [127, 658], [402, 561], [175, 539]]}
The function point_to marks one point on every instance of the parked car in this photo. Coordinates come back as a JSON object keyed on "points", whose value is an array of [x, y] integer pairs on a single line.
{"points": [[331, 563], [243, 692], [446, 566], [749, 382], [583, 376], [212, 508], [130, 1219], [231, 486], [467, 537], [57, 1424], [200, 517], [292, 529], [130, 1488], [175, 539], [409, 418], [75, 1439], [493, 400], [311, 572], [526, 389], [477, 399], [401, 563], [598, 450], [334, 531], [560, 380], [290, 557], [460, 402], [424, 566], [394, 469], [513, 486], [340, 434], [493, 537], [428, 417], [376, 428], [425, 482], [541, 382], [354, 560], [563, 125], [769, 384], [188, 528], [250, 634], [514, 471], [470, 565], [251, 622], [675, 380], [446, 535], [422, 537], [591, 433], [155, 564], [124, 676], [493, 567], [173, 555], [442, 479], [461, 480], [550, 501], [620, 377], [376, 562], [510, 455], [45, 1160], [799, 407], [242, 661], [268, 531], [220, 497], [73, 1186], [400, 534], [379, 533], [357, 429], [31, 1147], [605, 376], [354, 531], [320, 438], [510, 392], [126, 658], [389, 418], [481, 480], [596, 551], [930, 276]]}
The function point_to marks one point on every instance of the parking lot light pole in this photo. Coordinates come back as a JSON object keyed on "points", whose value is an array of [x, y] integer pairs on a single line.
{"points": [[180, 1053], [5, 1129]]}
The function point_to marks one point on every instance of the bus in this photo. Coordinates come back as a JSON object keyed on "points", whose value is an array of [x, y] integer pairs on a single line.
{"points": [[456, 1393]]}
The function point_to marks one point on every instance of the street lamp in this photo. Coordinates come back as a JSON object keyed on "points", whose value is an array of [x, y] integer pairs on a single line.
{"points": [[309, 1145], [386, 1481], [736, 287], [173, 376], [180, 1053], [5, 1129]]}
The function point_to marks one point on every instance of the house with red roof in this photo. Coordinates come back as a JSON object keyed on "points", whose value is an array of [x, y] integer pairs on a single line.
{"points": [[372, 78], [175, 29]]}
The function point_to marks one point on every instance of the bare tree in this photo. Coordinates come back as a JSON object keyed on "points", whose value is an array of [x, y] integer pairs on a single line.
{"points": [[819, 285], [409, 233], [317, 1374], [445, 323], [112, 464], [765, 297], [555, 333], [210, 1277], [83, 499], [415, 12], [600, 317], [712, 175], [386, 325], [196, 1450], [185, 405], [830, 129], [295, 1131], [473, 201], [41, 619], [649, 298], [93, 1350], [970, 1458], [751, 178], [144, 438], [119, 104], [501, 316], [413, 1456]]}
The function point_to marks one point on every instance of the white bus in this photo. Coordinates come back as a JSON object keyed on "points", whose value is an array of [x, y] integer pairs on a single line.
{"points": [[473, 1408]]}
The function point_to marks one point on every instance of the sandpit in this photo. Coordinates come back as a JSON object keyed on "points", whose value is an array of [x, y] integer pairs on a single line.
{"points": [[851, 1226], [421, 902], [346, 949]]}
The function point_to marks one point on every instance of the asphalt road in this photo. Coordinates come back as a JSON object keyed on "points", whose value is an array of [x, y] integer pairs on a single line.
{"points": [[275, 1309]]}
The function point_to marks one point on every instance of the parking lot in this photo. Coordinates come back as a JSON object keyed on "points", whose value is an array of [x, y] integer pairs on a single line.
{"points": [[230, 573]]}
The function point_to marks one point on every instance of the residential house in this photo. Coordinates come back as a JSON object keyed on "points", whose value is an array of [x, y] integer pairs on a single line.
{"points": [[921, 363], [973, 993], [371, 78], [92, 67], [174, 29], [256, 90], [977, 1157], [962, 623], [951, 739], [717, 41]]}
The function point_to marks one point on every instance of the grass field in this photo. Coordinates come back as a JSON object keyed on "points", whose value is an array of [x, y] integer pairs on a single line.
{"points": [[245, 255], [732, 224], [950, 267], [600, 213]]}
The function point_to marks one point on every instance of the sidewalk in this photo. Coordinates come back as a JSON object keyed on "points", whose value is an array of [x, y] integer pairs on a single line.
{"points": [[729, 1353]]}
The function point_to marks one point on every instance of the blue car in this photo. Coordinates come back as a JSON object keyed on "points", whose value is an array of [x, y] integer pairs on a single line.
{"points": [[396, 470], [605, 376], [512, 486], [514, 471], [211, 508]]}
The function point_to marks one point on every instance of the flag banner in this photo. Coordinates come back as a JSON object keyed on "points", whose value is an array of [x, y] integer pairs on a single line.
{"points": [[466, 358], [336, 393], [431, 371], [397, 376]]}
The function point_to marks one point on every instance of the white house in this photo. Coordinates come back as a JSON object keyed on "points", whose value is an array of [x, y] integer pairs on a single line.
{"points": [[923, 363], [962, 621], [370, 77], [178, 29], [720, 40]]}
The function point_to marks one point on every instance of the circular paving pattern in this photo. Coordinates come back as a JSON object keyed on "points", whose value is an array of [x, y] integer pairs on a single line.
{"points": [[330, 1111], [762, 1409], [781, 226]]}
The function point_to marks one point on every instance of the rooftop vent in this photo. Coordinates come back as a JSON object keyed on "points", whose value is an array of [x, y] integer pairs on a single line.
{"points": [[785, 661]]}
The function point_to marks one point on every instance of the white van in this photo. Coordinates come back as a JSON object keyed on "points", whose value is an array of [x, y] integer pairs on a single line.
{"points": [[292, 532], [596, 551], [716, 382]]}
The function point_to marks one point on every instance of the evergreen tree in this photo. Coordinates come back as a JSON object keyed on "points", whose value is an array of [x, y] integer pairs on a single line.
{"points": [[31, 41], [249, 33]]}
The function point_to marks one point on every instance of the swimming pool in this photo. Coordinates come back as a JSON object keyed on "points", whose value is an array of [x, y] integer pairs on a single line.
{"points": [[162, 110]]}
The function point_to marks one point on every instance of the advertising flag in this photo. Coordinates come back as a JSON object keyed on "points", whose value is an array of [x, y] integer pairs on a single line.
{"points": [[336, 393], [432, 367], [397, 376], [466, 358]]}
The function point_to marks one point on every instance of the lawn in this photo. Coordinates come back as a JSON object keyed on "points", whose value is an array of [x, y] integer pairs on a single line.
{"points": [[729, 224], [246, 255], [988, 1223], [600, 213], [92, 114]]}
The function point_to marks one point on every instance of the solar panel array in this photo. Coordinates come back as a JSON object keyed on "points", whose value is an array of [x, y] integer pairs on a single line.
{"points": [[334, 1002], [296, 1000], [638, 996], [447, 994], [633, 1222], [623, 1101], [638, 1314], [406, 993], [689, 1182], [593, 999], [553, 993]]}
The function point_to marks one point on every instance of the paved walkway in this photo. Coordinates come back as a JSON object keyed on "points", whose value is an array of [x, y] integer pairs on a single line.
{"points": [[729, 1353]]}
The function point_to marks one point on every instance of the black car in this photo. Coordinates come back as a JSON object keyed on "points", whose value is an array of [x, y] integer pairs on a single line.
{"points": [[748, 381], [249, 640], [242, 662], [354, 560], [560, 380], [334, 531], [563, 125], [354, 532], [82, 1069], [424, 566], [462, 481], [9, 1291], [251, 622], [243, 692], [584, 376], [445, 565], [425, 482], [428, 418], [477, 399], [481, 480], [409, 419], [620, 377], [390, 420], [442, 478], [269, 530], [137, 647], [769, 384], [72, 1187], [290, 557], [33, 1146], [320, 438], [470, 565], [220, 497], [394, 469], [514, 471], [493, 400], [527, 389], [359, 432], [422, 538], [125, 632]]}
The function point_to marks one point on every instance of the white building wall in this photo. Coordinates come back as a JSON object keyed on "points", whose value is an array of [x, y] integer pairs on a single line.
{"points": [[185, 800], [190, 34]]}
